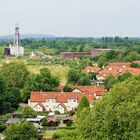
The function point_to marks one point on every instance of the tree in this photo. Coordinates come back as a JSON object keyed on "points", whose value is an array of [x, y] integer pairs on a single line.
{"points": [[84, 81], [44, 81], [15, 74], [124, 76], [21, 131], [92, 75], [135, 65], [102, 61], [5, 106], [12, 95], [30, 85], [111, 54], [131, 57], [2, 85], [67, 88], [115, 116], [84, 103], [28, 112], [110, 81], [73, 76]]}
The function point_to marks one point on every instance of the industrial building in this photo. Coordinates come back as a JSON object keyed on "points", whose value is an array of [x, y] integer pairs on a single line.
{"points": [[73, 55], [15, 50]]}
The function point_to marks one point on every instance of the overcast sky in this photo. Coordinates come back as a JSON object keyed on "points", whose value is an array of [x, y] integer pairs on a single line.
{"points": [[71, 17]]}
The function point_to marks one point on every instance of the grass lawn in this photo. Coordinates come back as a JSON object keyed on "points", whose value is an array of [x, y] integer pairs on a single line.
{"points": [[48, 134], [58, 70], [60, 133]]}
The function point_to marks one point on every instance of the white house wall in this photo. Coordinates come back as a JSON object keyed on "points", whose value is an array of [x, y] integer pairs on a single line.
{"points": [[53, 106], [38, 108]]}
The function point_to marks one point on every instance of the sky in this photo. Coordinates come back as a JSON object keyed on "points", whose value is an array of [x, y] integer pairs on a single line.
{"points": [[77, 18]]}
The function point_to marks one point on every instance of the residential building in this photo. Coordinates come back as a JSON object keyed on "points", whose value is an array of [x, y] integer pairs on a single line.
{"points": [[89, 69], [61, 101], [95, 90], [116, 69]]}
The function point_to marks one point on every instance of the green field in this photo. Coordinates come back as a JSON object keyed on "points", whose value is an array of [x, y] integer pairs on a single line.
{"points": [[58, 70], [48, 134]]}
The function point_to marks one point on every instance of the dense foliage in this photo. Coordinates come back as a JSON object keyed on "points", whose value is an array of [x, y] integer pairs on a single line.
{"points": [[110, 81], [77, 77], [84, 103], [9, 98], [21, 131], [115, 116], [44, 81], [2, 127], [15, 74], [28, 112]]}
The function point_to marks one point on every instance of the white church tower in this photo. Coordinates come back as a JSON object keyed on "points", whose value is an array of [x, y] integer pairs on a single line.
{"points": [[17, 50]]}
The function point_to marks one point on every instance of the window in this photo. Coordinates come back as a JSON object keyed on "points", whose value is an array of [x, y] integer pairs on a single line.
{"points": [[53, 100], [47, 100], [72, 100]]}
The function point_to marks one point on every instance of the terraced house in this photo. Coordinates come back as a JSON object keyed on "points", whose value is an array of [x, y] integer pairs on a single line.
{"points": [[64, 101]]}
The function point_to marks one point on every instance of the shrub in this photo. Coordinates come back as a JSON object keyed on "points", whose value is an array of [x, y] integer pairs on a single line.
{"points": [[2, 127], [44, 122], [29, 113], [69, 123], [71, 112], [57, 112]]}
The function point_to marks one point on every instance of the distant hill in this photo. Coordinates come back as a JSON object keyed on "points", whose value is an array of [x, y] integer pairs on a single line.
{"points": [[27, 36]]}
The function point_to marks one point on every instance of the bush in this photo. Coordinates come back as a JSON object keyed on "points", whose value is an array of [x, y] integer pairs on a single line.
{"points": [[57, 112], [44, 122], [2, 127], [135, 65], [69, 123], [21, 131], [71, 112], [29, 113], [67, 89]]}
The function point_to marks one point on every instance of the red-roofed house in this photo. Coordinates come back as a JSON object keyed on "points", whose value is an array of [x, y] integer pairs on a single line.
{"points": [[133, 71], [120, 64], [116, 69], [61, 101], [97, 91], [89, 69]]}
